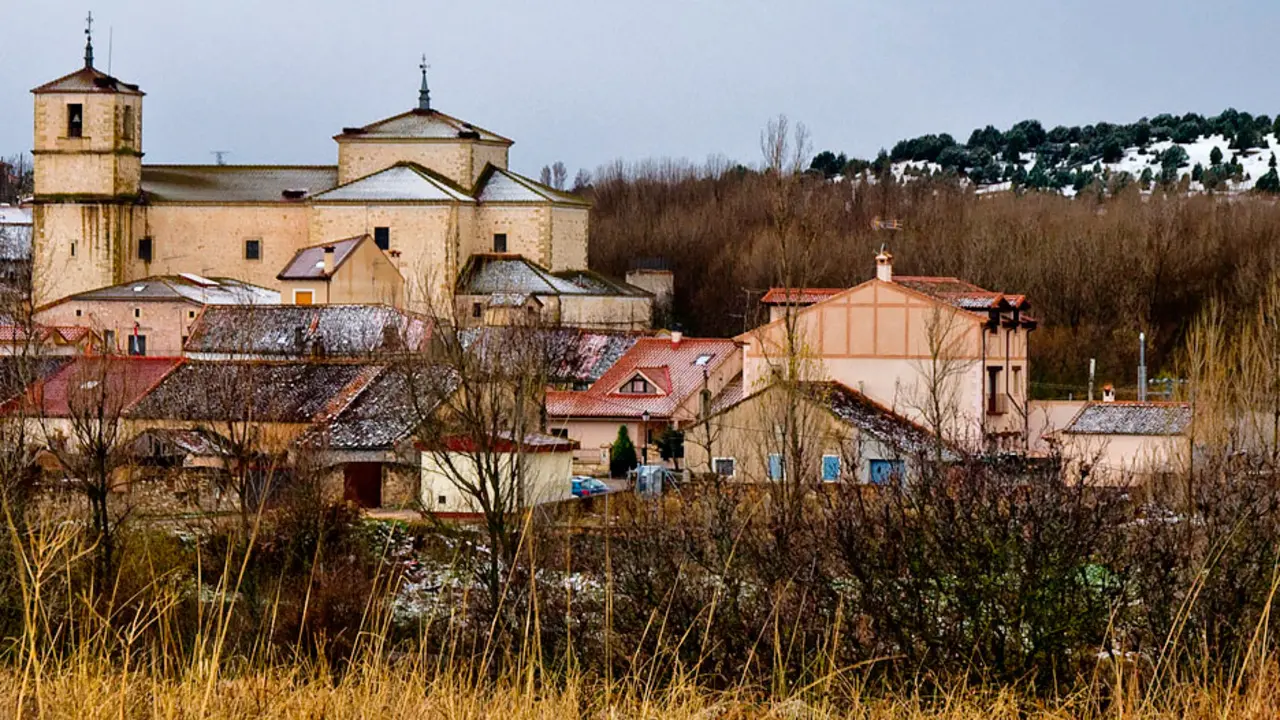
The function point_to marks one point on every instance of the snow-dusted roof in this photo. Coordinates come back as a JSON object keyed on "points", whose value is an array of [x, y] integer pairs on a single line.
{"points": [[308, 263], [422, 125], [15, 233], [305, 330], [1131, 418], [88, 80], [489, 274], [235, 183], [403, 182], [206, 291], [15, 215], [503, 186]]}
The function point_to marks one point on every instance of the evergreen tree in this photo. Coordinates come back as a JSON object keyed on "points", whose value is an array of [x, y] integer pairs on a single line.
{"points": [[1269, 183], [1215, 156], [1112, 150], [1246, 138], [1272, 162], [1197, 172], [622, 454], [1146, 178]]}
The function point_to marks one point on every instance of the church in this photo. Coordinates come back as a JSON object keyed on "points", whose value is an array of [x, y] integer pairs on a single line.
{"points": [[420, 212]]}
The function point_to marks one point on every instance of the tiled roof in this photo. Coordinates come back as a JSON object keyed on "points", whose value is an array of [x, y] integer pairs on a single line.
{"points": [[961, 294], [798, 296], [235, 183], [79, 385], [398, 183], [489, 273], [308, 263], [496, 185], [684, 377], [10, 333], [422, 125], [385, 413], [731, 394], [17, 373], [185, 286], [287, 392], [296, 331], [870, 417], [88, 80], [1131, 418]]}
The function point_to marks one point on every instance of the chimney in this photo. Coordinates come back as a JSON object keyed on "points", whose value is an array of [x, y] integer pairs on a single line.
{"points": [[884, 266], [328, 259], [676, 337], [1108, 393]]}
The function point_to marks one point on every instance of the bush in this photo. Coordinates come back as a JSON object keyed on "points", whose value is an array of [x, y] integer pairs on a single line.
{"points": [[622, 454]]}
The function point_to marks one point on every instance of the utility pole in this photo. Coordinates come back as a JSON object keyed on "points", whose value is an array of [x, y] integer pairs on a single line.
{"points": [[1093, 368], [1142, 367]]}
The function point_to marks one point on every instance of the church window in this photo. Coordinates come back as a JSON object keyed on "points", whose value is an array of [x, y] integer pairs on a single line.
{"points": [[499, 242], [252, 249], [73, 248], [75, 120], [382, 238], [127, 121], [144, 249], [137, 312]]}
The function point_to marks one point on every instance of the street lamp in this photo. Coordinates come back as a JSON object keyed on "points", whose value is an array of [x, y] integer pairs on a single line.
{"points": [[644, 436]]}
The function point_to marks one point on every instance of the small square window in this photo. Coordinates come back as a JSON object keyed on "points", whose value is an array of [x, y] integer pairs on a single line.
{"points": [[560, 433], [830, 468], [724, 466], [382, 238], [252, 249], [477, 310], [191, 313], [79, 312], [499, 242], [442, 500], [137, 312]]}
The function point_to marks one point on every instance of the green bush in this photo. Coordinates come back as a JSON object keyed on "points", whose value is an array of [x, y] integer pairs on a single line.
{"points": [[622, 454]]}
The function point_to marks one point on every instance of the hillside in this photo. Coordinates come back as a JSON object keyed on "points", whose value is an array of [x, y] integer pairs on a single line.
{"points": [[1229, 152]]}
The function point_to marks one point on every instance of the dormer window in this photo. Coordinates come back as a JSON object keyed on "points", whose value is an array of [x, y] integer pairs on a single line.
{"points": [[75, 120], [637, 385]]}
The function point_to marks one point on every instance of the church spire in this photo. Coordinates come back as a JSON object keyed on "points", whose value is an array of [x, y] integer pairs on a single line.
{"points": [[424, 95], [88, 41]]}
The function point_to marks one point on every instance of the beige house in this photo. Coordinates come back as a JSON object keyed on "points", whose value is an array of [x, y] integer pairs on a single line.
{"points": [[151, 316], [538, 471], [430, 189], [940, 351], [1120, 442], [844, 437], [349, 271]]}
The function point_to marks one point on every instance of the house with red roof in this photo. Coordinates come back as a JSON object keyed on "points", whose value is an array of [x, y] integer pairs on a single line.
{"points": [[658, 383], [940, 351]]}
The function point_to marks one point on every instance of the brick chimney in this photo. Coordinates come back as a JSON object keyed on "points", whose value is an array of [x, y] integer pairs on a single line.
{"points": [[328, 259], [884, 266], [676, 337]]}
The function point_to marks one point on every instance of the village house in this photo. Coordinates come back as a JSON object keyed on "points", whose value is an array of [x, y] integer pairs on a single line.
{"points": [[658, 383], [410, 199], [153, 315], [937, 350], [1124, 442], [536, 470], [46, 340], [824, 430]]}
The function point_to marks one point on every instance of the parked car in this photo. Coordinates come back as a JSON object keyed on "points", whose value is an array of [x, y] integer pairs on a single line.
{"points": [[587, 486]]}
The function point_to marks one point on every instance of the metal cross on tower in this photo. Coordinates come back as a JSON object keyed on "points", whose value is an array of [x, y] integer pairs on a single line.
{"points": [[424, 94], [88, 40]]}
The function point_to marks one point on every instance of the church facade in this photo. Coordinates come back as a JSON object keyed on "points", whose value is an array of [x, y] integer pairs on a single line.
{"points": [[428, 189]]}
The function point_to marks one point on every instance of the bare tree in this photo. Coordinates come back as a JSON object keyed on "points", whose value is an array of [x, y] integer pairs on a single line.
{"points": [[559, 175], [936, 396]]}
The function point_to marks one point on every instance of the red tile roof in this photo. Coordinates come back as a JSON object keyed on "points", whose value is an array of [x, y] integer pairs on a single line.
{"points": [[672, 366], [128, 380], [962, 294], [799, 296], [59, 333]]}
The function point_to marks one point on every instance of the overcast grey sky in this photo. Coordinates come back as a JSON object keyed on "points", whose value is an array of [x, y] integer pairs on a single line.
{"points": [[589, 81]]}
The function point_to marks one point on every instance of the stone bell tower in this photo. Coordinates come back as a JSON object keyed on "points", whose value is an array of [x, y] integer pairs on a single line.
{"points": [[88, 175]]}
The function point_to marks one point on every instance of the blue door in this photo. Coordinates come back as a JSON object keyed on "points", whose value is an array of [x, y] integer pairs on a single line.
{"points": [[830, 468], [885, 471]]}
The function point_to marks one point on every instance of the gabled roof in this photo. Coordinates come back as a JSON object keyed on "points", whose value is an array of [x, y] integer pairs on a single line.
{"points": [[128, 380], [489, 273], [88, 80], [184, 286], [961, 294], [1131, 418], [56, 334], [284, 392], [235, 183], [384, 414], [299, 331], [308, 263], [419, 124], [402, 182], [574, 356], [496, 185], [649, 356], [798, 296], [17, 373]]}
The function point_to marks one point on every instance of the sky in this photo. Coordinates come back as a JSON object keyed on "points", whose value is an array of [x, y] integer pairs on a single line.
{"points": [[588, 82]]}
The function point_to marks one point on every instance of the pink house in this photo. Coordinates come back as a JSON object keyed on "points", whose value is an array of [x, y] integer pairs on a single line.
{"points": [[940, 351]]}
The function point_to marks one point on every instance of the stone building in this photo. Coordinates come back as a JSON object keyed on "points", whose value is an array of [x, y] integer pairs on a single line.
{"points": [[429, 189]]}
